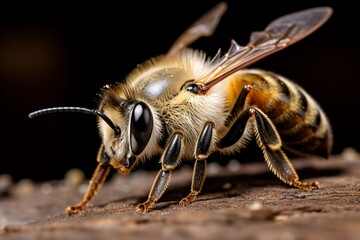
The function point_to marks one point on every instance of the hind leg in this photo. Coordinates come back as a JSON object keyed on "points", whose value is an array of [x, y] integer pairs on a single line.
{"points": [[269, 141]]}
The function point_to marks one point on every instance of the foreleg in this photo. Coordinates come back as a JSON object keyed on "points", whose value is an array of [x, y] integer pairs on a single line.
{"points": [[97, 180]]}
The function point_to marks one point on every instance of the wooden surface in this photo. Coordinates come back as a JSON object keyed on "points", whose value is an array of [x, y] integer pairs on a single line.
{"points": [[239, 201]]}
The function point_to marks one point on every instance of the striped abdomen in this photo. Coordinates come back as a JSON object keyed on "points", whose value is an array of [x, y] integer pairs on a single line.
{"points": [[301, 123]]}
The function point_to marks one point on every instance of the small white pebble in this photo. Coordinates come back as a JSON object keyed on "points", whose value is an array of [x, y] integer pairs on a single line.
{"points": [[213, 168], [24, 187], [5, 182], [255, 206], [281, 218], [74, 177], [350, 154], [234, 165]]}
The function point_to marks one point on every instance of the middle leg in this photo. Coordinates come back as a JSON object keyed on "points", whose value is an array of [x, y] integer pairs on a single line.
{"points": [[203, 149], [169, 160]]}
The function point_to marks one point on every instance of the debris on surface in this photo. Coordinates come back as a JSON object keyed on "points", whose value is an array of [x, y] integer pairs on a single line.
{"points": [[244, 201]]}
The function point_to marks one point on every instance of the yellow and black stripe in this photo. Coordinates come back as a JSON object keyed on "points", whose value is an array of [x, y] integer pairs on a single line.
{"points": [[299, 120]]}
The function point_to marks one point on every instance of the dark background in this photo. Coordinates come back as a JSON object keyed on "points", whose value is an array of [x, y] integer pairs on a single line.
{"points": [[61, 54]]}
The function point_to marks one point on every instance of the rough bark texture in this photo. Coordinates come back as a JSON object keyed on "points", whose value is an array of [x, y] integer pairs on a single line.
{"points": [[239, 201]]}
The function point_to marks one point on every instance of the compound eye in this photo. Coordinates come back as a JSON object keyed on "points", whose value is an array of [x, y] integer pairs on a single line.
{"points": [[141, 126]]}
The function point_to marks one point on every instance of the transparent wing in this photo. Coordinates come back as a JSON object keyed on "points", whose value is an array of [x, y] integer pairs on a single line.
{"points": [[279, 34], [204, 26]]}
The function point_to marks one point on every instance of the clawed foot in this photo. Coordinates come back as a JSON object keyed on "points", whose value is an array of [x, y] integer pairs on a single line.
{"points": [[144, 207], [71, 210], [187, 200], [315, 186], [184, 202], [307, 186]]}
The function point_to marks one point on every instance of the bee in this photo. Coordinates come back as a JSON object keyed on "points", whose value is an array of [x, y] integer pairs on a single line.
{"points": [[185, 106]]}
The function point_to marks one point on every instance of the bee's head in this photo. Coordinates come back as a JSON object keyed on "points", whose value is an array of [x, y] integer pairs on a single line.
{"points": [[127, 146], [138, 124], [127, 127]]}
